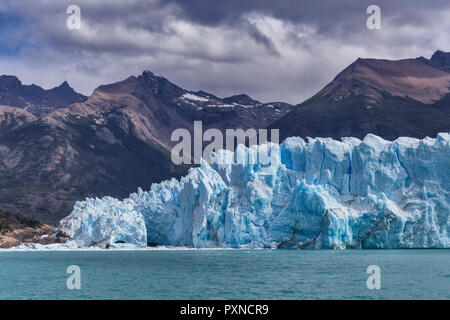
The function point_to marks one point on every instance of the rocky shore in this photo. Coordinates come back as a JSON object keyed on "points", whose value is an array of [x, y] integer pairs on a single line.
{"points": [[16, 230]]}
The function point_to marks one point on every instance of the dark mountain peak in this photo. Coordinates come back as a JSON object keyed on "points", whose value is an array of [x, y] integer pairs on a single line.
{"points": [[440, 55], [35, 99], [241, 99], [64, 93], [441, 60], [8, 81], [150, 73], [5, 77], [158, 86], [144, 84], [149, 76], [389, 98], [64, 85]]}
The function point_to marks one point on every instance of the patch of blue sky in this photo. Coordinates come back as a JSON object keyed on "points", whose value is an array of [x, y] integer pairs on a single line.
{"points": [[14, 35]]}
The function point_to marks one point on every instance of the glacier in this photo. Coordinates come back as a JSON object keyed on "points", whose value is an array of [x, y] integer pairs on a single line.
{"points": [[314, 194]]}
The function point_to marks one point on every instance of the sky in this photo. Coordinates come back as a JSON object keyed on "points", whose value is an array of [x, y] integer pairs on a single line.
{"points": [[273, 50]]}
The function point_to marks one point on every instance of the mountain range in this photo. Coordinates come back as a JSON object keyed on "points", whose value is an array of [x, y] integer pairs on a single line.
{"points": [[58, 146], [35, 99], [113, 142]]}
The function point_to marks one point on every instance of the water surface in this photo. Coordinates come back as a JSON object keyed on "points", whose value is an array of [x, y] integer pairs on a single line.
{"points": [[226, 274]]}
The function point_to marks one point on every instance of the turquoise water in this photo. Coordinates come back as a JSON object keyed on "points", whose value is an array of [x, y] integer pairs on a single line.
{"points": [[226, 274]]}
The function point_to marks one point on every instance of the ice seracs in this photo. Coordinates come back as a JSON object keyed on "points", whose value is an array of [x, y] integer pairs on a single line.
{"points": [[319, 193], [97, 220]]}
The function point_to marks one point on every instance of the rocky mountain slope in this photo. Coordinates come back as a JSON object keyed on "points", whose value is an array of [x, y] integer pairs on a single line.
{"points": [[110, 144], [157, 107], [35, 99], [409, 97], [16, 230]]}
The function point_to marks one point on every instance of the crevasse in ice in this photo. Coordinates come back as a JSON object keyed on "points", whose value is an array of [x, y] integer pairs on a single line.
{"points": [[319, 193]]}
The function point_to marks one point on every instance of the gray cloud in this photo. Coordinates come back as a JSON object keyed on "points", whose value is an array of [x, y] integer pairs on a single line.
{"points": [[273, 50]]}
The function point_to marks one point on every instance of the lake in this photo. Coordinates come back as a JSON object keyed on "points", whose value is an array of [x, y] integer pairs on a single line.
{"points": [[226, 274]]}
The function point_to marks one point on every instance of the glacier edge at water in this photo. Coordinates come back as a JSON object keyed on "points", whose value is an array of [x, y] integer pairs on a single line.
{"points": [[319, 193]]}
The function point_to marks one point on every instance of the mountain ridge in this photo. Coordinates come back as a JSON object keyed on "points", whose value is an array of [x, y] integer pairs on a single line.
{"points": [[389, 98], [35, 99], [119, 138], [115, 141]]}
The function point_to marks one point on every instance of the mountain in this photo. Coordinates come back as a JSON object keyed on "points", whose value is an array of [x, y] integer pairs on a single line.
{"points": [[12, 118], [316, 194], [35, 99], [155, 107], [409, 97], [111, 144], [439, 59]]}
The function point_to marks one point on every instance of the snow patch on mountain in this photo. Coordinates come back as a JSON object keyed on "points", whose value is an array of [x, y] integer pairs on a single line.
{"points": [[193, 97]]}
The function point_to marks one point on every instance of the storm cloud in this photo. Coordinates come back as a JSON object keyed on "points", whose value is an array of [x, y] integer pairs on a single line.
{"points": [[273, 50]]}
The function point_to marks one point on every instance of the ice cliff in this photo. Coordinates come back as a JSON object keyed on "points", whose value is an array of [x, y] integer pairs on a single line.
{"points": [[319, 193]]}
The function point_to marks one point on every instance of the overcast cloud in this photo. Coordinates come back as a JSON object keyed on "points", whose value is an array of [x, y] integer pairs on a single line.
{"points": [[282, 50]]}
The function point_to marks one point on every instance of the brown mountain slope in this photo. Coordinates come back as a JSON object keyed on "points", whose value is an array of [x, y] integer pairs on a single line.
{"points": [[403, 78], [111, 144]]}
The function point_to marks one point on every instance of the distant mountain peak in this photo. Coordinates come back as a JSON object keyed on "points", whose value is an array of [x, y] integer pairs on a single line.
{"points": [[65, 84], [8, 80], [35, 99], [389, 98], [243, 99], [149, 75], [441, 60], [440, 53], [63, 87], [152, 78], [421, 79]]}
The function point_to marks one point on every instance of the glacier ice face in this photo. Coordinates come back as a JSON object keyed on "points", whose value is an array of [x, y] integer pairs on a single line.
{"points": [[98, 220], [319, 193]]}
